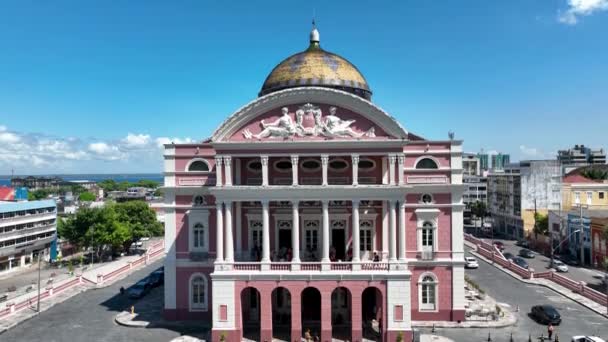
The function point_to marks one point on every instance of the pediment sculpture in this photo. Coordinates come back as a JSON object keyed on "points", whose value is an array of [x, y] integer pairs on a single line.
{"points": [[309, 122]]}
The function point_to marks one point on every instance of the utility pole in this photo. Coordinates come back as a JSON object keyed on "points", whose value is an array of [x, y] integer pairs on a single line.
{"points": [[40, 254], [582, 235]]}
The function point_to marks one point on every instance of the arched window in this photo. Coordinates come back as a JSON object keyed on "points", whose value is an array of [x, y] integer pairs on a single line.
{"points": [[198, 235], [428, 293], [198, 165], [426, 163], [198, 293]]}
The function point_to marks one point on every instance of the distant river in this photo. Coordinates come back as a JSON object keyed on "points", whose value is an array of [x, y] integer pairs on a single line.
{"points": [[128, 177]]}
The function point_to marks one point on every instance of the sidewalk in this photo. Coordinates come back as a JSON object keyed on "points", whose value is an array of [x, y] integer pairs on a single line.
{"points": [[598, 308]]}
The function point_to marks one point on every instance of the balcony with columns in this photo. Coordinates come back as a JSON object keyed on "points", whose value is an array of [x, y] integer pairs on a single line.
{"points": [[326, 262]]}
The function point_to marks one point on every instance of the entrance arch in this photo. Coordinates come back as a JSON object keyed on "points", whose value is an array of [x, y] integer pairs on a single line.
{"points": [[281, 314], [250, 313], [371, 313], [341, 318], [311, 311]]}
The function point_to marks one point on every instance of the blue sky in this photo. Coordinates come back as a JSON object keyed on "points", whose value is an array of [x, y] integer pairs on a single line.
{"points": [[95, 86]]}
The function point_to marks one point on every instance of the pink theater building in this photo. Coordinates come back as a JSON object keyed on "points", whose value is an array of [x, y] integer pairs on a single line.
{"points": [[312, 209]]}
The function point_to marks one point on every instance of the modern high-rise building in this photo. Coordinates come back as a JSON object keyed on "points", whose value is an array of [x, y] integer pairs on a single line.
{"points": [[26, 229], [484, 161], [500, 161], [580, 156], [312, 209]]}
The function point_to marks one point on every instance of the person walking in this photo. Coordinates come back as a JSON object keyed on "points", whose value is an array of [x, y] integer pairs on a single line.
{"points": [[550, 330]]}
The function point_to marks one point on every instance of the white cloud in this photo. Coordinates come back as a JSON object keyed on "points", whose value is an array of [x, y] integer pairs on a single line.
{"points": [[30, 153], [579, 8], [136, 140], [530, 151]]}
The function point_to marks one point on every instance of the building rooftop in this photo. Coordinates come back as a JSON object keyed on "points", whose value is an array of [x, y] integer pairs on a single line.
{"points": [[7, 207]]}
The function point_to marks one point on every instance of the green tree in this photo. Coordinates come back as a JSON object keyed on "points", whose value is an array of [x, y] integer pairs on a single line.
{"points": [[595, 173], [140, 220], [480, 210], [541, 225], [86, 197], [159, 192]]}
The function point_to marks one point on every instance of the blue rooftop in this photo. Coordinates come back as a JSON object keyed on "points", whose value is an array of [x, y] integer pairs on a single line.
{"points": [[7, 207]]}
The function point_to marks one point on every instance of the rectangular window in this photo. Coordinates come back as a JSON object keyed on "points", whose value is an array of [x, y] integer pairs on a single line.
{"points": [[312, 237], [427, 238], [589, 197], [577, 197], [601, 195]]}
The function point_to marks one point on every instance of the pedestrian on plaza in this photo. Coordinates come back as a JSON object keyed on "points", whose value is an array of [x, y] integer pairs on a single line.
{"points": [[550, 330], [122, 291]]}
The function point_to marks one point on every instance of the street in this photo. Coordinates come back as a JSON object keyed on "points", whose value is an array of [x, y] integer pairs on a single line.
{"points": [[89, 316], [576, 319]]}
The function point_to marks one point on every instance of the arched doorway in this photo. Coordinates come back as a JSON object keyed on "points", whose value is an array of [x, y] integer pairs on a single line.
{"points": [[250, 313], [341, 303], [311, 311], [281, 314], [371, 314]]}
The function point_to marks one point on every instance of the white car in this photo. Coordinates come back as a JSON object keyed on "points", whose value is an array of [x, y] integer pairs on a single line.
{"points": [[587, 339], [470, 262], [559, 266]]}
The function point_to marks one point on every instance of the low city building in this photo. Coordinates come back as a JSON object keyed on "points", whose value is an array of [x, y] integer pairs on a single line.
{"points": [[35, 183], [582, 220], [26, 229], [578, 189], [312, 209], [580, 156], [599, 243], [519, 191], [476, 182]]}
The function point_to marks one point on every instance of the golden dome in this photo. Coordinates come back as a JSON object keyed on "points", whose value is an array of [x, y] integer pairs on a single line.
{"points": [[316, 67]]}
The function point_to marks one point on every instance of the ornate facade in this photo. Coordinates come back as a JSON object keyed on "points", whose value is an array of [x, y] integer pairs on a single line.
{"points": [[312, 211]]}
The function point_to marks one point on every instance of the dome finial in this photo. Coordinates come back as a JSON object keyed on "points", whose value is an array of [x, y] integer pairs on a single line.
{"points": [[314, 34]]}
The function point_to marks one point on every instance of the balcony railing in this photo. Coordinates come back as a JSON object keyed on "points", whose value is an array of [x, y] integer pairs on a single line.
{"points": [[25, 217], [14, 234], [307, 266]]}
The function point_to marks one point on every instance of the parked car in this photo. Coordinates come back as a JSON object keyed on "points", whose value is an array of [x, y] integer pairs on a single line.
{"points": [[526, 253], [520, 262], [499, 245], [140, 289], [558, 265], [470, 262], [587, 339], [546, 314], [157, 278], [522, 243], [508, 256]]}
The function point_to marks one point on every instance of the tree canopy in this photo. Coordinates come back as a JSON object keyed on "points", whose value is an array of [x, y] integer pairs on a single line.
{"points": [[541, 224], [86, 197], [114, 226], [112, 185]]}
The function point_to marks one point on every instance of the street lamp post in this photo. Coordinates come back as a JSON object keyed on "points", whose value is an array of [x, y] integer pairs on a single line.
{"points": [[560, 243], [40, 254]]}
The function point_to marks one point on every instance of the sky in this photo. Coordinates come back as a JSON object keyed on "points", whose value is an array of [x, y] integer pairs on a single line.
{"points": [[99, 86]]}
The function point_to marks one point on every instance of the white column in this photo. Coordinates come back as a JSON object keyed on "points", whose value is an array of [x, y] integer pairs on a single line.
{"points": [[295, 232], [355, 229], [294, 169], [238, 222], [324, 161], [355, 165], [228, 224], [402, 230], [400, 164], [392, 221], [325, 250], [264, 161], [228, 170], [219, 232], [265, 231], [391, 168], [218, 170]]}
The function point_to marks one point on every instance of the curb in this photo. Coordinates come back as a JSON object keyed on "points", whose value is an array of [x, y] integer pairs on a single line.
{"points": [[484, 259], [126, 319], [512, 320]]}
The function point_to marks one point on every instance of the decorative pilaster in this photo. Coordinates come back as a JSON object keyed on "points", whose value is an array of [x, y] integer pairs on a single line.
{"points": [[264, 161], [402, 230], [294, 169], [355, 165], [325, 250], [391, 168], [265, 231], [219, 232], [324, 162], [218, 171], [400, 165], [355, 228], [228, 224], [295, 232], [392, 237], [228, 170]]}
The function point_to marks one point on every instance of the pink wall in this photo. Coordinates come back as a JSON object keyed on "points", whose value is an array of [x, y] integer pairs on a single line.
{"points": [[444, 294], [182, 294], [182, 236], [420, 146], [361, 124]]}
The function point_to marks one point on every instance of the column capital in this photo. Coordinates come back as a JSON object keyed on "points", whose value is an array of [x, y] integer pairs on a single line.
{"points": [[219, 204], [392, 158], [402, 204], [295, 203], [294, 158], [265, 202], [227, 160], [227, 202], [355, 158], [401, 158], [219, 158], [264, 160], [324, 159], [355, 202]]}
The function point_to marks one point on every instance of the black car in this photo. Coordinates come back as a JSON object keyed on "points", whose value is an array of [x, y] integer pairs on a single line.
{"points": [[157, 278], [508, 256], [520, 262], [546, 314], [140, 289], [522, 243], [526, 253]]}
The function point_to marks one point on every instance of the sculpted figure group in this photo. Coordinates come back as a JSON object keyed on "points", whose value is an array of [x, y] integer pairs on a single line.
{"points": [[330, 126]]}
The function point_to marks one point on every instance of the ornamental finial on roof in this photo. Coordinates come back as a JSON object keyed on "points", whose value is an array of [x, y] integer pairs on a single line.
{"points": [[314, 34]]}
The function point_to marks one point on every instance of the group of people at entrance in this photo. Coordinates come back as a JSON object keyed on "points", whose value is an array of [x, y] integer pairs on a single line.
{"points": [[286, 254]]}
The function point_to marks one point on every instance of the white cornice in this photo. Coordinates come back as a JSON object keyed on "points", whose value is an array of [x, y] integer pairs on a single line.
{"points": [[313, 95], [354, 146]]}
